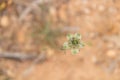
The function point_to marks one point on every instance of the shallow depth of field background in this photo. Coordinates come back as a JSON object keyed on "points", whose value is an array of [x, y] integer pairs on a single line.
{"points": [[33, 31]]}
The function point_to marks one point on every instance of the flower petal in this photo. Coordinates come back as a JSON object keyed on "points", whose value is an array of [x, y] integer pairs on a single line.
{"points": [[69, 36], [75, 51], [65, 45], [77, 35]]}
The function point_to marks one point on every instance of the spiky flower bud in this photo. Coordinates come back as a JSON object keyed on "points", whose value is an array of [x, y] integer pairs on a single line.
{"points": [[74, 43]]}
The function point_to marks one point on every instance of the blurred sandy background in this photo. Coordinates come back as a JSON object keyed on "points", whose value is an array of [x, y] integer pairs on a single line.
{"points": [[33, 31]]}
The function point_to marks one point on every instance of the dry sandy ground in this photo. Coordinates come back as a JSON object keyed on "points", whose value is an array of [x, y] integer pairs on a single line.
{"points": [[97, 20]]}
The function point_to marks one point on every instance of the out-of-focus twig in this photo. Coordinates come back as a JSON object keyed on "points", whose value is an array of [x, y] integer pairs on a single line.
{"points": [[28, 70], [113, 38], [70, 29], [18, 56], [33, 5]]}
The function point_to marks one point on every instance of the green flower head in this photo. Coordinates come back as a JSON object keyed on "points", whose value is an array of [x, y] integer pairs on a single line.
{"points": [[73, 43]]}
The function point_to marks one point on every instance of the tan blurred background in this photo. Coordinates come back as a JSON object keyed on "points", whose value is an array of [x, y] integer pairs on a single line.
{"points": [[33, 31]]}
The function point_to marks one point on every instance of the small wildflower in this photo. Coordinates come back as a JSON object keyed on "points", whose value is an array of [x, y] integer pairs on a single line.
{"points": [[73, 43]]}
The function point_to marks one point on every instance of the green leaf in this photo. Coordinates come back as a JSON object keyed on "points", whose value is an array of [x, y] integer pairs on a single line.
{"points": [[89, 43], [75, 51]]}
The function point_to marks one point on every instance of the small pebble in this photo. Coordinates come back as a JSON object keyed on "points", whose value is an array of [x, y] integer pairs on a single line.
{"points": [[52, 11], [50, 52], [101, 8], [111, 53], [94, 59], [4, 22], [110, 45], [112, 10], [85, 1], [87, 11]]}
